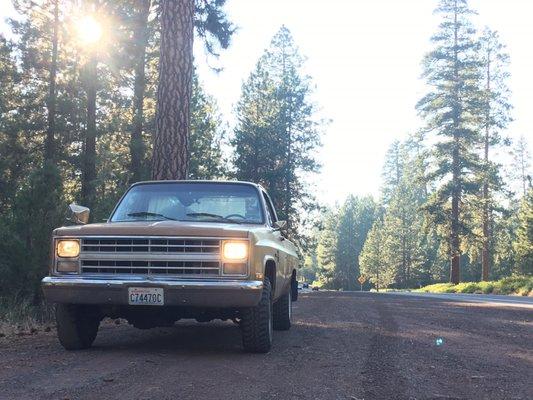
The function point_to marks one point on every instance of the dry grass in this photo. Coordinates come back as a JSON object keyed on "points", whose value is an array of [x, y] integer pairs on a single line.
{"points": [[18, 318], [514, 285]]}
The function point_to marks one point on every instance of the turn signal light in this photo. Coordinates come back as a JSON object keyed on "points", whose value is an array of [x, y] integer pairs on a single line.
{"points": [[234, 268]]}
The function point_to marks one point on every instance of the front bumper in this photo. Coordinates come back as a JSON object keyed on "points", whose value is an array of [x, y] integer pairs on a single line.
{"points": [[195, 293]]}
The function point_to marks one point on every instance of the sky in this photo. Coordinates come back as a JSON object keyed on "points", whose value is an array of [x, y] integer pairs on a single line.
{"points": [[364, 58]]}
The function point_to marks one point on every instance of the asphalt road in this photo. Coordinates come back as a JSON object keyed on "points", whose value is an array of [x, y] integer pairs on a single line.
{"points": [[341, 346]]}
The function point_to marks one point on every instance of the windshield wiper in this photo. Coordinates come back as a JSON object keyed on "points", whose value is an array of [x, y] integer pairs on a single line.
{"points": [[149, 214], [218, 217]]}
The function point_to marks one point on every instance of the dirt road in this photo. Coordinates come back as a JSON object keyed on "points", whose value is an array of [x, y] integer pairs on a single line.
{"points": [[341, 346]]}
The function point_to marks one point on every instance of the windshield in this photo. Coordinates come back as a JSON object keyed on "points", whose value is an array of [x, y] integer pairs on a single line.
{"points": [[210, 202]]}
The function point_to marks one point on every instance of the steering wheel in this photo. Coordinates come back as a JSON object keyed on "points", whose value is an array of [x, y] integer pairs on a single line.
{"points": [[235, 215]]}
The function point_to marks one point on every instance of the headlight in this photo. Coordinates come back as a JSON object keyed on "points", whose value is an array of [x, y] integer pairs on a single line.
{"points": [[68, 248], [235, 251]]}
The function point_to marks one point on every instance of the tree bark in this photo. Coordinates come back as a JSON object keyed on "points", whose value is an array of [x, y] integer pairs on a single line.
{"points": [[455, 252], [89, 156], [140, 38], [485, 253], [171, 143], [49, 143]]}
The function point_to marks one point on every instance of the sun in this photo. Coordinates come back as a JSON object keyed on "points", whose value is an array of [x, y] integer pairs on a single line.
{"points": [[89, 30]]}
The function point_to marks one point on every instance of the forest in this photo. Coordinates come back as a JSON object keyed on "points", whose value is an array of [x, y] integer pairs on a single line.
{"points": [[79, 123]]}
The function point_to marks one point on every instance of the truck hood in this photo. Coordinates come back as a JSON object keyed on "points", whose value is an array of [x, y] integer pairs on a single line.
{"points": [[158, 228]]}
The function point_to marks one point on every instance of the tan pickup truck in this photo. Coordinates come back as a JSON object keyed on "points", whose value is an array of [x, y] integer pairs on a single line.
{"points": [[173, 250]]}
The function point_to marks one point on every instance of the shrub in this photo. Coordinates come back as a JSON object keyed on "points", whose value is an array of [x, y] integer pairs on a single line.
{"points": [[521, 285]]}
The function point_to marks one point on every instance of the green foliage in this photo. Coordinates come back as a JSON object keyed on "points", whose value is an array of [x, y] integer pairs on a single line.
{"points": [[452, 110], [523, 245], [34, 194], [206, 160], [277, 132], [341, 241]]}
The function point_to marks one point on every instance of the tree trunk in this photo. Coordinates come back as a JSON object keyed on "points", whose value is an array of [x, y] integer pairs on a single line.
{"points": [[485, 252], [140, 38], [49, 143], [455, 252], [455, 270], [89, 156], [171, 143]]}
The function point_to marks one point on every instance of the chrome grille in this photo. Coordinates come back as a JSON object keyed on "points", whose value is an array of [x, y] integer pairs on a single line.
{"points": [[181, 268], [157, 256], [150, 245]]}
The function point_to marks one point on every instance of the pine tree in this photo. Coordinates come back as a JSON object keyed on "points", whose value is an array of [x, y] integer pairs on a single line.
{"points": [[392, 171], [523, 245], [206, 136], [327, 248], [170, 159], [495, 112], [277, 131], [372, 259], [140, 41], [520, 167], [451, 110]]}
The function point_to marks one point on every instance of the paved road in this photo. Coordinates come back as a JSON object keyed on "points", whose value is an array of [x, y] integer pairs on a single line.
{"points": [[489, 299], [342, 346]]}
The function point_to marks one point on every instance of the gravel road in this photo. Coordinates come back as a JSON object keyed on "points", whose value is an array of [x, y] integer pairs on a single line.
{"points": [[342, 346]]}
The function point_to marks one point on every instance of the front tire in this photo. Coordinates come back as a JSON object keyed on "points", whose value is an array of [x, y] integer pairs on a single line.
{"points": [[256, 323], [77, 326], [283, 312]]}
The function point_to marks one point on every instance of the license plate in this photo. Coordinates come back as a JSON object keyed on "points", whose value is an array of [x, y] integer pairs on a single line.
{"points": [[138, 296]]}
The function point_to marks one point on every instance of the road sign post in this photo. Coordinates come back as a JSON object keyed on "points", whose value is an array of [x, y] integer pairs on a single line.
{"points": [[361, 279]]}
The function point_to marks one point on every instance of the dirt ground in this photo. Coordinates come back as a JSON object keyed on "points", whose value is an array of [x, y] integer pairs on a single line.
{"points": [[341, 346]]}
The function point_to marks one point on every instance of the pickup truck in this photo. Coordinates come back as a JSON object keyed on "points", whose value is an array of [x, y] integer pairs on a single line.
{"points": [[173, 250]]}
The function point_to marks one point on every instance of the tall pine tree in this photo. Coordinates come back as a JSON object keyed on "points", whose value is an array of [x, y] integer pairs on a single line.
{"points": [[452, 109], [278, 132]]}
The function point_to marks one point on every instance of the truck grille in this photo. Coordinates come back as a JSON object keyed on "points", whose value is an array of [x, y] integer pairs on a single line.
{"points": [[159, 256], [148, 245], [181, 268]]}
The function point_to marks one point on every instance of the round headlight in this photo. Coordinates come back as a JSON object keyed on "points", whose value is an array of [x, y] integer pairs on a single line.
{"points": [[235, 251], [68, 248]]}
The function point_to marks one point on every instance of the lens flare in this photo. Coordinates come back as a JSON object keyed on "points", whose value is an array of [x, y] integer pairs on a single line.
{"points": [[89, 30]]}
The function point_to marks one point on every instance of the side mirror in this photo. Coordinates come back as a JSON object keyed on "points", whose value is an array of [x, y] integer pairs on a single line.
{"points": [[79, 214], [279, 225]]}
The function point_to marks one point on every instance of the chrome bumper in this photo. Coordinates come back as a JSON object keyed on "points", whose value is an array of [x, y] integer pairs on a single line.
{"points": [[196, 293]]}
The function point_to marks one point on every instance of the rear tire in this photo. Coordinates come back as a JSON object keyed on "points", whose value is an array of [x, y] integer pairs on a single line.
{"points": [[283, 312], [256, 323], [77, 326]]}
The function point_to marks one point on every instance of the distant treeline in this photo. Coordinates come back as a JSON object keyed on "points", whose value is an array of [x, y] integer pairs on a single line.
{"points": [[447, 209]]}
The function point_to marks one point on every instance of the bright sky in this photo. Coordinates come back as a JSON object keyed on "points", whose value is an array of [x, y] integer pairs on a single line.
{"points": [[364, 57]]}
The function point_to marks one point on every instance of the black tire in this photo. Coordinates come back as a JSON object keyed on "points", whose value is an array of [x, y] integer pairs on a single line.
{"points": [[256, 323], [77, 326], [283, 312], [294, 289]]}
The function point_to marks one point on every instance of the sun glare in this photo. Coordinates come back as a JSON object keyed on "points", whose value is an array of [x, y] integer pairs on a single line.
{"points": [[89, 30]]}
